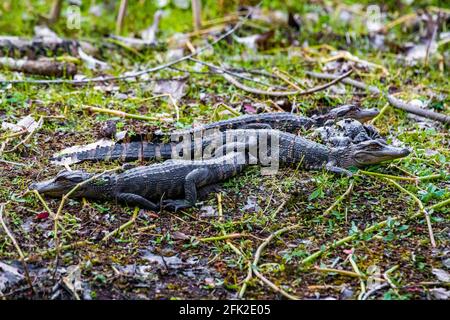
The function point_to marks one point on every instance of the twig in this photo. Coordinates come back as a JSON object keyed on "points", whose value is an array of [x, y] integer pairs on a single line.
{"points": [[220, 212], [123, 114], [55, 11], [341, 272], [414, 179], [197, 14], [123, 226], [338, 200], [28, 137], [62, 203], [244, 87], [421, 209], [439, 205], [138, 73], [272, 285], [254, 266], [357, 271], [16, 245], [121, 16], [224, 237], [218, 70], [397, 103], [372, 228]]}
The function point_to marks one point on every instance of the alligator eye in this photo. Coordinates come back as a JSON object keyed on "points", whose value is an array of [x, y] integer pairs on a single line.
{"points": [[373, 147], [76, 179]]}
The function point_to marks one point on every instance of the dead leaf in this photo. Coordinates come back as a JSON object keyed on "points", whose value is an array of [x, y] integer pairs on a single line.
{"points": [[442, 275], [26, 123], [9, 276], [440, 293]]}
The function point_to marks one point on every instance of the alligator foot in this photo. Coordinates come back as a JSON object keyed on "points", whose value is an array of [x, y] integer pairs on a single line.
{"points": [[175, 205]]}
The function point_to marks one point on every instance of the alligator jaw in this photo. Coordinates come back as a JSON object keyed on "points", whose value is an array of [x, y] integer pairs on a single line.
{"points": [[50, 187], [386, 153]]}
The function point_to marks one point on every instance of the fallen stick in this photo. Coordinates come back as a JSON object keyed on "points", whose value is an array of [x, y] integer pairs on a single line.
{"points": [[16, 245], [124, 114], [244, 87], [39, 67], [397, 103], [139, 73]]}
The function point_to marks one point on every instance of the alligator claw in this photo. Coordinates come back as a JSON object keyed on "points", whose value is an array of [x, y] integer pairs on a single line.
{"points": [[174, 205]]}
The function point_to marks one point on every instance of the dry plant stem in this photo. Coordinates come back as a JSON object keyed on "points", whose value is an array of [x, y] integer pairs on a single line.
{"points": [[219, 70], [47, 252], [28, 137], [397, 103], [220, 212], [339, 200], [122, 114], [121, 16], [48, 68], [361, 279], [254, 266], [244, 87], [197, 14], [283, 77], [413, 179], [273, 286], [439, 205], [16, 245], [62, 203], [123, 226], [224, 237], [139, 73], [372, 228], [421, 209], [55, 11]]}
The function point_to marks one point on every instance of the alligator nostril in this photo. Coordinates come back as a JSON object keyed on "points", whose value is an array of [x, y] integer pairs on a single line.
{"points": [[406, 151], [32, 186]]}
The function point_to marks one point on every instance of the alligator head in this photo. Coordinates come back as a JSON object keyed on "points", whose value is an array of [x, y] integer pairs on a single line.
{"points": [[67, 180], [366, 153], [353, 112]]}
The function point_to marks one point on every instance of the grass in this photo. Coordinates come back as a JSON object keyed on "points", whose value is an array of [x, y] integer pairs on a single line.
{"points": [[307, 195]]}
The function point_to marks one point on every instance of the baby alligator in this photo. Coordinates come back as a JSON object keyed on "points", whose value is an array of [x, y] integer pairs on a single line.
{"points": [[142, 186], [285, 121], [290, 149]]}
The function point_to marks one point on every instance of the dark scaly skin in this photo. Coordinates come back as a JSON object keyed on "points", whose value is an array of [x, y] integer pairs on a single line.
{"points": [[293, 150], [286, 121], [17, 47], [345, 132], [145, 186]]}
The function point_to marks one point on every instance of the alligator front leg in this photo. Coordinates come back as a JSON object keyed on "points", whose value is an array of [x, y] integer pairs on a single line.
{"points": [[134, 199], [192, 180], [330, 167]]}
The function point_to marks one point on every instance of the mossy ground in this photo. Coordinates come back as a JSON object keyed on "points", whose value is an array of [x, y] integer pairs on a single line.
{"points": [[251, 203]]}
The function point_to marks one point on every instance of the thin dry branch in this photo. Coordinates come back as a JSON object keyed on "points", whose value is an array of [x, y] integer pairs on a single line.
{"points": [[39, 67], [16, 245], [397, 103], [139, 73], [244, 87]]}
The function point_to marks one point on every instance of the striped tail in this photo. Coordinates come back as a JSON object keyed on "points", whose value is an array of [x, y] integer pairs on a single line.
{"points": [[107, 150]]}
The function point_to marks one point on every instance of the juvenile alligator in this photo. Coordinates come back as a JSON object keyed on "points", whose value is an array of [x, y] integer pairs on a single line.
{"points": [[345, 132], [144, 150], [143, 185], [291, 149], [285, 121]]}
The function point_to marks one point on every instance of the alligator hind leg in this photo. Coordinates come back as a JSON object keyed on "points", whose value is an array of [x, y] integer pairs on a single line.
{"points": [[131, 198], [190, 190]]}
